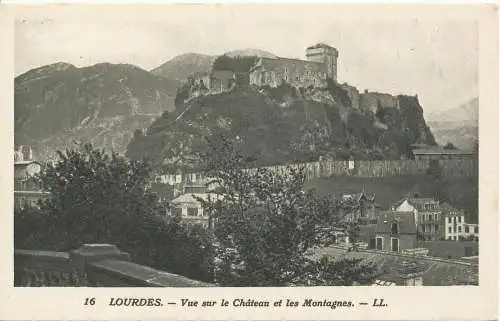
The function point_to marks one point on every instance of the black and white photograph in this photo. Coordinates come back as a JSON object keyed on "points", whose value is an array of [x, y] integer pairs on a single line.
{"points": [[238, 149]]}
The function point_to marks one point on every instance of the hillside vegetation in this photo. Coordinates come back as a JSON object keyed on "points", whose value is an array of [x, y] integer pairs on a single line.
{"points": [[282, 125]]}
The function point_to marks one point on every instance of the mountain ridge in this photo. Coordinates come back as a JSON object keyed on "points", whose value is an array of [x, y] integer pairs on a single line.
{"points": [[88, 101]]}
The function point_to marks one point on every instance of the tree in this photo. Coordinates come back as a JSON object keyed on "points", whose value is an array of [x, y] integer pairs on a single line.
{"points": [[266, 226], [449, 146], [101, 198]]}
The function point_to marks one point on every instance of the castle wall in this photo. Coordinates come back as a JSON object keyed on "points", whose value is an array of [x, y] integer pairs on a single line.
{"points": [[213, 83], [326, 56], [385, 168], [353, 94], [300, 73], [370, 101]]}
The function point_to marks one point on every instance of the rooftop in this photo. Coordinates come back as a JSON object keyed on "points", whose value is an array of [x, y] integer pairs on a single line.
{"points": [[321, 45], [436, 272], [192, 198], [273, 63], [405, 220], [442, 151]]}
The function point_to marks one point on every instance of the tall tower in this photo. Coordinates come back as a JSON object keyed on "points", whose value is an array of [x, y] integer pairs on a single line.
{"points": [[324, 54]]}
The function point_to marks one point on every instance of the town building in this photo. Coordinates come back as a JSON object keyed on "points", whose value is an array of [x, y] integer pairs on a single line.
{"points": [[190, 209], [439, 153], [471, 231], [395, 232], [427, 213], [360, 206], [454, 221], [26, 190]]}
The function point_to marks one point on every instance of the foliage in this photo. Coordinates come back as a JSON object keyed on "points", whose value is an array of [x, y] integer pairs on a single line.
{"points": [[449, 146], [235, 64], [100, 198], [301, 132], [266, 226], [339, 93]]}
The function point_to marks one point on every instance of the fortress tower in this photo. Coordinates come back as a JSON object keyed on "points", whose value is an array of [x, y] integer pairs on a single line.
{"points": [[325, 54]]}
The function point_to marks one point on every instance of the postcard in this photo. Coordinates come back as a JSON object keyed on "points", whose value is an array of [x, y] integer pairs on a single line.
{"points": [[249, 161]]}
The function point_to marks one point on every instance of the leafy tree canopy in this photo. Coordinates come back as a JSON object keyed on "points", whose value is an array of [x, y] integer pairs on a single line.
{"points": [[449, 146], [102, 198], [266, 226]]}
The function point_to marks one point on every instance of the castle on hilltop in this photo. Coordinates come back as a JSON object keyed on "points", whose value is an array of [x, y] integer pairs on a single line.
{"points": [[314, 72], [321, 64]]}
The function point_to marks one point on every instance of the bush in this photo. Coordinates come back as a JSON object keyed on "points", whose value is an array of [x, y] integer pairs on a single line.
{"points": [[99, 198]]}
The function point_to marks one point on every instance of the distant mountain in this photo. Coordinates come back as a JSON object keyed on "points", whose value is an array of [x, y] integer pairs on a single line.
{"points": [[250, 52], [465, 113], [181, 66], [458, 125], [58, 104]]}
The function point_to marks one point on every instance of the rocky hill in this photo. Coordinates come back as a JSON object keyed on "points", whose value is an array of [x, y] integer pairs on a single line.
{"points": [[59, 104], [458, 126], [182, 66], [285, 124]]}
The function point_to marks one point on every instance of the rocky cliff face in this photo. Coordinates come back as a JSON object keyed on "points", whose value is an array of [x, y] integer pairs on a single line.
{"points": [[286, 124], [60, 104]]}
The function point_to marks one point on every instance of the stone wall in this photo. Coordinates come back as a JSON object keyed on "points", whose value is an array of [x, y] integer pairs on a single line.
{"points": [[91, 265], [372, 100], [451, 168], [353, 94], [387, 168], [299, 73]]}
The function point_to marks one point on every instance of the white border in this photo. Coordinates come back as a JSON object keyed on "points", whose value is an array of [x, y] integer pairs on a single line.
{"points": [[419, 303]]}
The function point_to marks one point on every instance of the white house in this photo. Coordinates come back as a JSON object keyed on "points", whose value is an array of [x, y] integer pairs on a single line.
{"points": [[454, 221], [428, 215], [471, 230], [190, 208]]}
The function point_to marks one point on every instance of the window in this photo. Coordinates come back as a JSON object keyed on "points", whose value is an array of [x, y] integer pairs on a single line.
{"points": [[449, 229], [394, 244], [380, 243], [454, 229], [297, 77], [454, 219], [459, 229], [466, 229], [394, 228], [454, 238], [449, 219], [177, 211], [476, 229], [460, 219], [436, 227], [192, 211]]}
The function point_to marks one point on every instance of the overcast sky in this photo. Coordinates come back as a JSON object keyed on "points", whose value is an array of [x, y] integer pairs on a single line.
{"points": [[436, 59]]}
